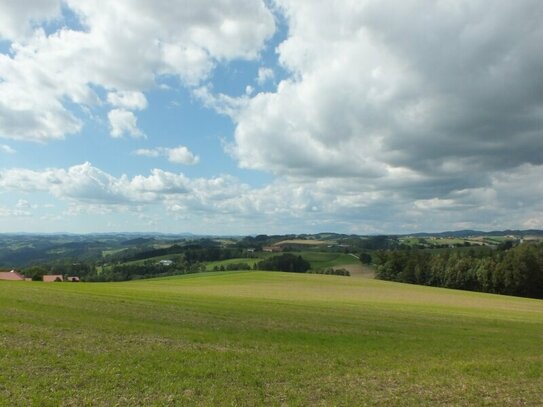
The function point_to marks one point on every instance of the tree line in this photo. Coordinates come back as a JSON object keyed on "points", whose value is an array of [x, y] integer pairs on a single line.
{"points": [[285, 262], [117, 272], [516, 271], [194, 252]]}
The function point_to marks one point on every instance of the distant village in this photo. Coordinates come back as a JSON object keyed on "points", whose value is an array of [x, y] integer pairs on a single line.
{"points": [[16, 276]]}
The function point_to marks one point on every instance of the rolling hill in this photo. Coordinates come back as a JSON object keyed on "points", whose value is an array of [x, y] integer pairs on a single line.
{"points": [[255, 338]]}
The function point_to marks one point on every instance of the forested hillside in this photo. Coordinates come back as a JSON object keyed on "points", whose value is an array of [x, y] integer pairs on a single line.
{"points": [[517, 271]]}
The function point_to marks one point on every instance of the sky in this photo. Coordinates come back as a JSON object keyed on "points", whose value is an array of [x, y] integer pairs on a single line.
{"points": [[278, 116]]}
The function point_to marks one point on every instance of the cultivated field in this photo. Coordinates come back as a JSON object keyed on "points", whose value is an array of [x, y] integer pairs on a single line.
{"points": [[320, 260], [311, 242], [266, 338]]}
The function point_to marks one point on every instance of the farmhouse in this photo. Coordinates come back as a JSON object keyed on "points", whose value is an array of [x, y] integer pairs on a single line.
{"points": [[11, 275], [52, 278], [165, 262], [73, 279]]}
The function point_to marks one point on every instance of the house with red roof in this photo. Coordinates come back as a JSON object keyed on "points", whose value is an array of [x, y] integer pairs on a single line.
{"points": [[11, 276]]}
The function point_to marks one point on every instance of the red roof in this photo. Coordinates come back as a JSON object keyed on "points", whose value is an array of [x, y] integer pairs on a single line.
{"points": [[11, 275]]}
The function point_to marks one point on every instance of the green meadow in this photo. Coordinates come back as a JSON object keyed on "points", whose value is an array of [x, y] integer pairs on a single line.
{"points": [[318, 260], [266, 338]]}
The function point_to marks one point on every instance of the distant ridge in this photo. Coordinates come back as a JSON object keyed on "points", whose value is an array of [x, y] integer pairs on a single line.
{"points": [[468, 232], [147, 237]]}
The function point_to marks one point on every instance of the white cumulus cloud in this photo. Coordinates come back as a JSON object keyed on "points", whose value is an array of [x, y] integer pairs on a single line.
{"points": [[224, 203], [17, 18], [177, 155], [7, 149], [124, 48], [123, 122], [127, 100], [182, 155], [264, 75], [148, 152]]}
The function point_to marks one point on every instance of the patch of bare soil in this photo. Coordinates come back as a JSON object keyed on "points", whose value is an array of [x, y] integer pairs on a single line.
{"points": [[359, 270]]}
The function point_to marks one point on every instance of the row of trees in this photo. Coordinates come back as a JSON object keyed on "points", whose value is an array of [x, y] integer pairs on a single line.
{"points": [[194, 252], [233, 266], [285, 262], [332, 271], [518, 271], [119, 272], [124, 272]]}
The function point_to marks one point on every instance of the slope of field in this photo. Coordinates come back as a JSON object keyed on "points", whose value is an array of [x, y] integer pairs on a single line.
{"points": [[266, 338], [320, 260]]}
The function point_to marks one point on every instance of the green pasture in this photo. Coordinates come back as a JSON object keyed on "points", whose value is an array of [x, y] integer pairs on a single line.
{"points": [[266, 338], [155, 259], [109, 252], [303, 242], [320, 260], [414, 241]]}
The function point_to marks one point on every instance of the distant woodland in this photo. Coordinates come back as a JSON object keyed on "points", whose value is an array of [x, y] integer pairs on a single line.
{"points": [[508, 270]]}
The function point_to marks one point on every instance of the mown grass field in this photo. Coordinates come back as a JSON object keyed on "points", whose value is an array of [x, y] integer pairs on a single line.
{"points": [[306, 242], [318, 260], [266, 338]]}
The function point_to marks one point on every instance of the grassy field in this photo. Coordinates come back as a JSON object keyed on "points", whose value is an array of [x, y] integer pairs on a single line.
{"points": [[320, 260], [112, 251], [266, 338], [310, 242]]}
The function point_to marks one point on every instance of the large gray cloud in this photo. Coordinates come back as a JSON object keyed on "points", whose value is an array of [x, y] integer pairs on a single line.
{"points": [[421, 96], [226, 205]]}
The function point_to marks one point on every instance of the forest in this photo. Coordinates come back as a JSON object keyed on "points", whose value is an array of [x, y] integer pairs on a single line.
{"points": [[511, 271]]}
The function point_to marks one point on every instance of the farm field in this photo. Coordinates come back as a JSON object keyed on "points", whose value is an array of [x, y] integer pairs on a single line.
{"points": [[310, 242], [319, 260], [266, 338]]}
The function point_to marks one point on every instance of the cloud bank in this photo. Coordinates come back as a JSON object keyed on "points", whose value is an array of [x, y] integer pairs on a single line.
{"points": [[383, 116], [227, 202]]}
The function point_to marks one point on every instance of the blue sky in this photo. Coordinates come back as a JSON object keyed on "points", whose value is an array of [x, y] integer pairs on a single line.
{"points": [[270, 117]]}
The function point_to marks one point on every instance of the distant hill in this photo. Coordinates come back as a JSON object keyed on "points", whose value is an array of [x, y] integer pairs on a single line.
{"points": [[467, 233], [139, 241]]}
